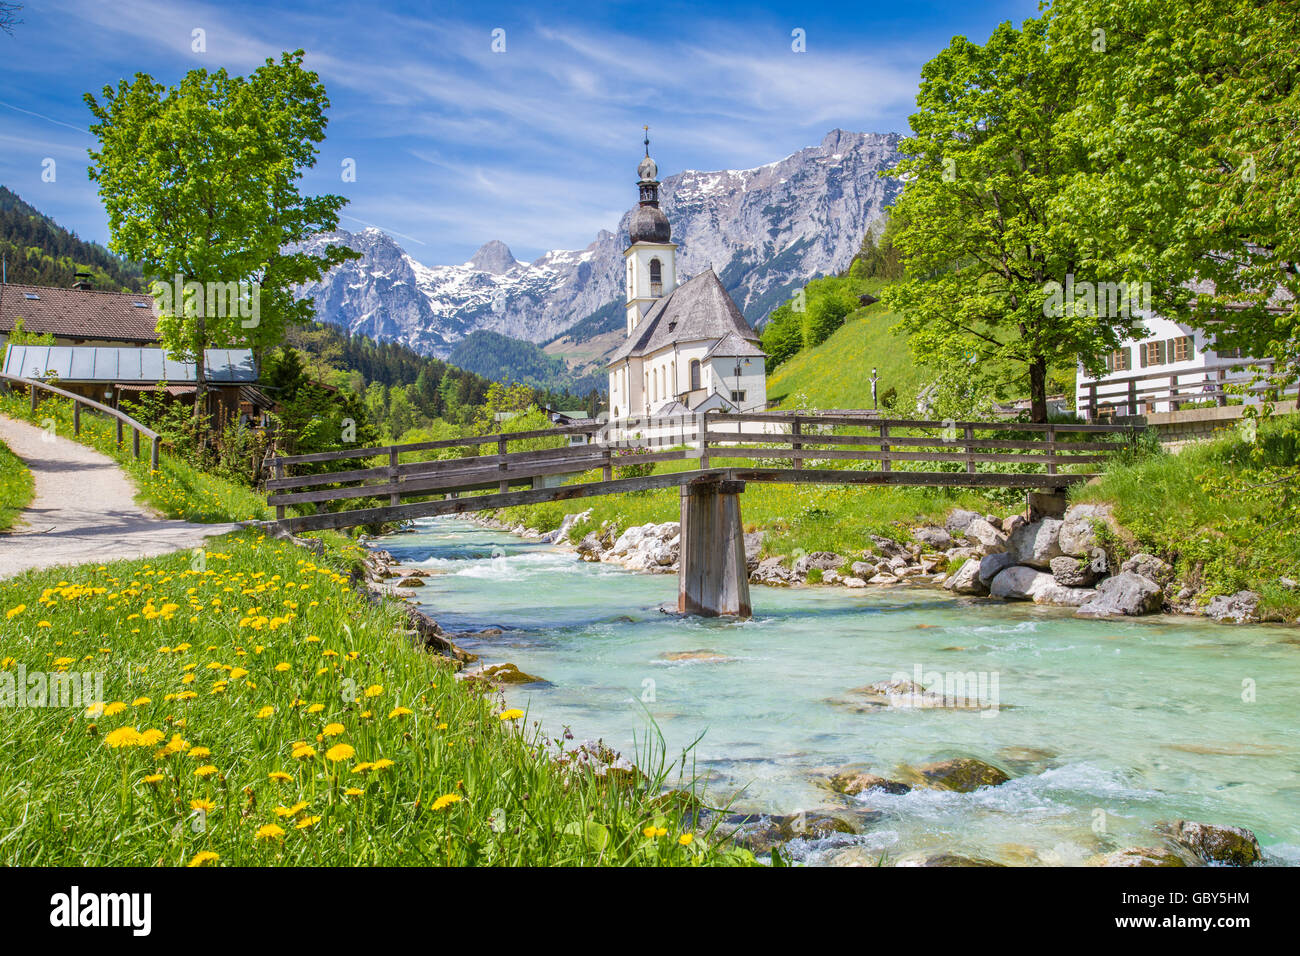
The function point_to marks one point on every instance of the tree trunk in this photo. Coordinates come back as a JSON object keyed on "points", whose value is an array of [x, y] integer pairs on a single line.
{"points": [[1038, 390]]}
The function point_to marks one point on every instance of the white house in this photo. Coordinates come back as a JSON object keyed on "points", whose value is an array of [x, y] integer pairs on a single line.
{"points": [[1174, 362], [688, 349]]}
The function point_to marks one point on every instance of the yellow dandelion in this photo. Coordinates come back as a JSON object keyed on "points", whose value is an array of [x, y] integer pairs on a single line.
{"points": [[141, 702], [204, 858], [280, 776], [113, 709], [374, 690], [399, 712], [199, 753], [206, 770], [306, 822], [340, 752], [153, 778], [332, 730], [514, 713], [446, 800], [122, 737], [265, 712], [282, 667], [269, 831], [207, 806], [685, 839]]}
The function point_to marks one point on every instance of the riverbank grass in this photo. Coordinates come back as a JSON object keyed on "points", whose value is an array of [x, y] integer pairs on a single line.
{"points": [[16, 487], [256, 709], [1224, 513], [176, 490]]}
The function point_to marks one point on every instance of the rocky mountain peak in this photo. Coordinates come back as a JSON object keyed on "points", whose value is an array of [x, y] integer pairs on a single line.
{"points": [[493, 257]]}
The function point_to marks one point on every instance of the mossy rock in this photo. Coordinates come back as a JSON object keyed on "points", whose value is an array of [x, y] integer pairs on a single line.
{"points": [[1235, 846], [1139, 856], [851, 783], [961, 775], [508, 674]]}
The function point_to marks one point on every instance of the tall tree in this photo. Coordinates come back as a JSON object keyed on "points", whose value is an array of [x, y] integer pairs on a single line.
{"points": [[201, 184], [985, 262], [1190, 113]]}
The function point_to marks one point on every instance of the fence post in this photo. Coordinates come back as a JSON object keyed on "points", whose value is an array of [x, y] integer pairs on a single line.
{"points": [[32, 390], [502, 466], [607, 472], [279, 473], [1132, 397], [1173, 393], [118, 421], [970, 451], [884, 447], [1092, 402], [135, 443], [1222, 399], [76, 418], [1051, 449], [704, 444], [153, 453], [796, 430], [394, 497]]}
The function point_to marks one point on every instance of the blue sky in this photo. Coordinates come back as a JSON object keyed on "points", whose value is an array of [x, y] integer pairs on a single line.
{"points": [[455, 144]]}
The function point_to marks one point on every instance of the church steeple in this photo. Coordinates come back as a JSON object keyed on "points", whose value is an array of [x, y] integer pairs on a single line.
{"points": [[651, 256]]}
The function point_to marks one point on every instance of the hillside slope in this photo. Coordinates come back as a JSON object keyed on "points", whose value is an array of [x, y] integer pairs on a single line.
{"points": [[837, 373], [39, 251]]}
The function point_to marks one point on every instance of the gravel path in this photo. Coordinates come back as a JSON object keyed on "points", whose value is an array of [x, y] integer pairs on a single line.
{"points": [[84, 509]]}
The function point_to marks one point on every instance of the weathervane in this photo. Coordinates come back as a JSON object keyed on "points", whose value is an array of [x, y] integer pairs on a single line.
{"points": [[647, 139]]}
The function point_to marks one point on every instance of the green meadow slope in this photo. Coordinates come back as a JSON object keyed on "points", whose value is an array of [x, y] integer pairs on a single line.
{"points": [[837, 373]]}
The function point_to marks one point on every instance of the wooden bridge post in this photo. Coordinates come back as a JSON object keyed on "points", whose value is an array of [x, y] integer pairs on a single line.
{"points": [[884, 447], [796, 431], [503, 467], [713, 580], [970, 449], [394, 497], [76, 418], [279, 473]]}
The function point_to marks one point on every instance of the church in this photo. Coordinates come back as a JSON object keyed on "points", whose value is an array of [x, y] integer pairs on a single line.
{"points": [[688, 349]]}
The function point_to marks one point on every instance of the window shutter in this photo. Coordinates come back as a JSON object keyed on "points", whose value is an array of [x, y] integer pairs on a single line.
{"points": [[1127, 354], [1142, 355]]}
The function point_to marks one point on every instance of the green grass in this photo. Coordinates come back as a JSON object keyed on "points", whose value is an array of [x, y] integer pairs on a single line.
{"points": [[176, 490], [1225, 513], [16, 488], [237, 657], [837, 373]]}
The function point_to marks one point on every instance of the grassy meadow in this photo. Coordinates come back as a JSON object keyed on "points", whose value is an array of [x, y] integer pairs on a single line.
{"points": [[257, 710], [16, 487]]}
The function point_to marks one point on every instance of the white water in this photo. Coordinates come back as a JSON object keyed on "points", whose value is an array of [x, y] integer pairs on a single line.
{"points": [[1108, 727]]}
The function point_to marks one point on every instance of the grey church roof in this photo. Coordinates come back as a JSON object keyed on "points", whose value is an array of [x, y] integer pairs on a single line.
{"points": [[699, 310], [732, 345], [649, 224]]}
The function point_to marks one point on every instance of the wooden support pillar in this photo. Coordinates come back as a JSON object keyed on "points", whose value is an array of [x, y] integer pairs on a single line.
{"points": [[394, 497], [119, 431], [970, 449], [503, 467], [279, 473], [135, 443], [796, 430], [884, 447], [153, 453], [76, 418], [713, 580]]}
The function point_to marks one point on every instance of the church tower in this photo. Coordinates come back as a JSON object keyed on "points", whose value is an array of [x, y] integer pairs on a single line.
{"points": [[651, 270]]}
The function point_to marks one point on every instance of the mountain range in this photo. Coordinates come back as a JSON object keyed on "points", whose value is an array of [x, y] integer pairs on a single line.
{"points": [[765, 232]]}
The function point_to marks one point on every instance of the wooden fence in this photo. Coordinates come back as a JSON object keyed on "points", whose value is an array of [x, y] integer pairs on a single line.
{"points": [[121, 419], [1143, 394]]}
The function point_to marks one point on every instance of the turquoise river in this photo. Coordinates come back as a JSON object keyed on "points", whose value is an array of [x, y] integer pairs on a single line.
{"points": [[1107, 727]]}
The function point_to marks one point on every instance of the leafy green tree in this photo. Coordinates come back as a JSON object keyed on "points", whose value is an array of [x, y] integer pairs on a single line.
{"points": [[782, 336], [1189, 111], [201, 181], [976, 233]]}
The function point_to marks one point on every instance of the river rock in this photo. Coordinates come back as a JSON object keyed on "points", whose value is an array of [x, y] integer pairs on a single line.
{"points": [[508, 674], [590, 548], [931, 537], [772, 572], [852, 782], [854, 582], [963, 775], [569, 520], [955, 556], [1010, 523], [1150, 567], [888, 547], [753, 547], [1235, 846], [989, 539], [1239, 608], [864, 569], [410, 581], [883, 579], [821, 560], [967, 579], [1036, 543], [1020, 583], [959, 519], [992, 565], [1125, 594], [1071, 572], [943, 859], [700, 655], [1078, 529], [1138, 856]]}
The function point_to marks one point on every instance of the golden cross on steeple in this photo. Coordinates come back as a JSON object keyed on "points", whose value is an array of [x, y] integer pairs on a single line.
{"points": [[647, 139]]}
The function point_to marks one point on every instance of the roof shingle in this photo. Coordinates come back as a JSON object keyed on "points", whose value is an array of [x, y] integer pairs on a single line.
{"points": [[699, 310], [79, 313]]}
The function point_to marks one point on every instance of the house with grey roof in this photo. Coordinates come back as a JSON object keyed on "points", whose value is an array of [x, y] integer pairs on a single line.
{"points": [[688, 346], [79, 316]]}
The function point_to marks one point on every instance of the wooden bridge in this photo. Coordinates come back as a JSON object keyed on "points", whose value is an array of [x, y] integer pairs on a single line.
{"points": [[710, 458]]}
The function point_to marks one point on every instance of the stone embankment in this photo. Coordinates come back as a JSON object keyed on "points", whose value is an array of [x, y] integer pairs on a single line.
{"points": [[1063, 561]]}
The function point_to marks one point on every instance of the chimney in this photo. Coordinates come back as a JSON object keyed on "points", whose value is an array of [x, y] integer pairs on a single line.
{"points": [[82, 281]]}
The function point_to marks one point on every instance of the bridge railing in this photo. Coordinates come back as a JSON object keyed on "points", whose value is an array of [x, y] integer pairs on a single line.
{"points": [[771, 441], [121, 419], [1170, 390]]}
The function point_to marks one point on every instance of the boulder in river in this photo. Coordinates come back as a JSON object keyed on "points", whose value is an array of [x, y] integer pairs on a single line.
{"points": [[1139, 856], [508, 674], [943, 859], [821, 560], [852, 782], [993, 565], [967, 579], [959, 519], [1235, 846], [1020, 583], [1126, 594], [931, 537], [1239, 608], [963, 775]]}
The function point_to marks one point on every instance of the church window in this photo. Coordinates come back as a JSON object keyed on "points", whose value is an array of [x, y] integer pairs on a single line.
{"points": [[656, 278], [695, 374]]}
